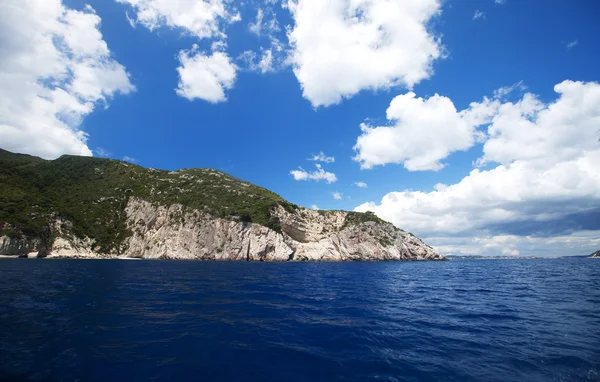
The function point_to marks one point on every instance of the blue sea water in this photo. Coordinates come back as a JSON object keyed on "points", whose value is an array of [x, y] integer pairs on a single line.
{"points": [[114, 320]]}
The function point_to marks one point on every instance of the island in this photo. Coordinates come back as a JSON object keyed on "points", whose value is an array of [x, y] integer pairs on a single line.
{"points": [[86, 207], [595, 255]]}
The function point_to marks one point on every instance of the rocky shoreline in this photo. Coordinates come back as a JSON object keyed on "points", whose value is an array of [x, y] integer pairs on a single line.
{"points": [[177, 233]]}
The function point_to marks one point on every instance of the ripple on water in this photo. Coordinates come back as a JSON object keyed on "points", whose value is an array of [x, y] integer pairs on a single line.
{"points": [[453, 321]]}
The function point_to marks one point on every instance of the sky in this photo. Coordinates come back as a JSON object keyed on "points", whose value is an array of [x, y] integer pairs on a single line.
{"points": [[474, 125]]}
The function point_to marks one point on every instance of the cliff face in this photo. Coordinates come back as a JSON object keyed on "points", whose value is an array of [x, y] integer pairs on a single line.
{"points": [[331, 235], [91, 207], [12, 246], [174, 232], [595, 255]]}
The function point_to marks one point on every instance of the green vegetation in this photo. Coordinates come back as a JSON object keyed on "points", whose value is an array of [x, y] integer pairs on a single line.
{"points": [[92, 193], [355, 218]]}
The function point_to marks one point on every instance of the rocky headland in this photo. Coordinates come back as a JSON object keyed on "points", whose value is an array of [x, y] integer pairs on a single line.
{"points": [[82, 207]]}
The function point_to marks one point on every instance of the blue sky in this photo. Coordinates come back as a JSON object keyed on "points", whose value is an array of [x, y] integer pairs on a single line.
{"points": [[266, 125]]}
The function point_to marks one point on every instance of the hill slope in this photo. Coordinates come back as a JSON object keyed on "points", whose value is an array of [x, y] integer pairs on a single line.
{"points": [[83, 206]]}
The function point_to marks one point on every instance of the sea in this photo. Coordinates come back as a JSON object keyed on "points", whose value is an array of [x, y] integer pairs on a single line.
{"points": [[470, 320]]}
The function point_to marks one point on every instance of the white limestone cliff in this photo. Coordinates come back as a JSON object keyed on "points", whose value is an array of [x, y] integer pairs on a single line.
{"points": [[160, 232]]}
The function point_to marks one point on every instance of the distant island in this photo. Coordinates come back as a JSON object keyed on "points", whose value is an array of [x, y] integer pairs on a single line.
{"points": [[87, 207], [595, 255], [482, 257]]}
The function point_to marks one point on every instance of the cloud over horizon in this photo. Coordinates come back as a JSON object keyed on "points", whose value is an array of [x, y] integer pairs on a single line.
{"points": [[544, 169]]}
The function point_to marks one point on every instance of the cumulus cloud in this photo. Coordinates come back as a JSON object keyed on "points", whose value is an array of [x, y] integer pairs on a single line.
{"points": [[199, 18], [547, 134], [321, 157], [340, 47], [201, 76], [205, 77], [314, 207], [317, 175], [55, 69], [360, 184], [546, 174], [422, 132], [337, 196]]}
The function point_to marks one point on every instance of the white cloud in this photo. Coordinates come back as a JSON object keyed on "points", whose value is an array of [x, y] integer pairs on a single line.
{"points": [[547, 134], [503, 92], [205, 77], [270, 57], [266, 62], [265, 22], [340, 47], [102, 153], [337, 196], [479, 15], [546, 180], [201, 76], [423, 132], [216, 46], [572, 44], [129, 159], [317, 175], [314, 207], [256, 26], [321, 157], [130, 20], [277, 46], [199, 18], [575, 244], [55, 69], [501, 2], [361, 184]]}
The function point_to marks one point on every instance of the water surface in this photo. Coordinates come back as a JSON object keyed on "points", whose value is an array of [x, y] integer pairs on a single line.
{"points": [[494, 320]]}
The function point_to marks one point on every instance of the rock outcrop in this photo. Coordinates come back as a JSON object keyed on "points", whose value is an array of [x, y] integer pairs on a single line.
{"points": [[15, 246], [89, 207], [595, 255], [174, 232]]}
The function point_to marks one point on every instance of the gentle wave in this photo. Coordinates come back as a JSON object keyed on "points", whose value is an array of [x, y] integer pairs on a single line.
{"points": [[454, 321]]}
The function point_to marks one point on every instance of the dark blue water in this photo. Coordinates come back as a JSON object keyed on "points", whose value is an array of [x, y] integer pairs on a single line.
{"points": [[63, 320]]}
